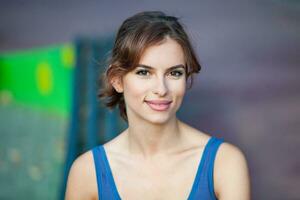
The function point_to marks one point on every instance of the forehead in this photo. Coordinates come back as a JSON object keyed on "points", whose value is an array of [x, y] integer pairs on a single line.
{"points": [[166, 54]]}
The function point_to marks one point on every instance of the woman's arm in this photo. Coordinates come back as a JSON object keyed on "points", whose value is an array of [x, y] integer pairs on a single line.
{"points": [[81, 182], [231, 174]]}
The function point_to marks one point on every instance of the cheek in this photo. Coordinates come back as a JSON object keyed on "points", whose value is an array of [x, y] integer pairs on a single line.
{"points": [[134, 89], [178, 89]]}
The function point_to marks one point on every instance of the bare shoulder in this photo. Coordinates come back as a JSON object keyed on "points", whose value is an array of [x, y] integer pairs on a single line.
{"points": [[231, 173], [194, 136], [82, 178]]}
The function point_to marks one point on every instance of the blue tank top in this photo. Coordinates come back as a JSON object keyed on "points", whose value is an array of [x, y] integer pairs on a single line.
{"points": [[203, 186]]}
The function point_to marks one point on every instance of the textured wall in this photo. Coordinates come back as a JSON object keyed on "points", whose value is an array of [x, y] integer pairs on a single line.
{"points": [[31, 153]]}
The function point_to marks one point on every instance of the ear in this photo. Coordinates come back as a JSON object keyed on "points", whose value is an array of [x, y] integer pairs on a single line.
{"points": [[117, 84]]}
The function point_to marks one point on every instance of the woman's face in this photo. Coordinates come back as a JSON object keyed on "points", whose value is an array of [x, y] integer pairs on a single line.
{"points": [[154, 90]]}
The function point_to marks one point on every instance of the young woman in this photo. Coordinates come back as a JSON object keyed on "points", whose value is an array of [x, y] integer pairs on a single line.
{"points": [[157, 156]]}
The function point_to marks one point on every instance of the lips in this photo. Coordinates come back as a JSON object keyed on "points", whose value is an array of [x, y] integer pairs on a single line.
{"points": [[159, 105]]}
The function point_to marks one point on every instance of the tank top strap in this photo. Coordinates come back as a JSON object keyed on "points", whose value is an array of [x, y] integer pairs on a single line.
{"points": [[105, 189], [203, 185], [208, 168]]}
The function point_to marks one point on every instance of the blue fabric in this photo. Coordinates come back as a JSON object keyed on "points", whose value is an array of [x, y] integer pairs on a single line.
{"points": [[203, 183]]}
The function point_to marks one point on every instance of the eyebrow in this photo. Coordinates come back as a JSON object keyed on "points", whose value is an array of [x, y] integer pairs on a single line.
{"points": [[171, 68]]}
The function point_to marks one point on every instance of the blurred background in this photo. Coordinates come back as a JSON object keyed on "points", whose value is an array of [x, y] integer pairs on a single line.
{"points": [[51, 53]]}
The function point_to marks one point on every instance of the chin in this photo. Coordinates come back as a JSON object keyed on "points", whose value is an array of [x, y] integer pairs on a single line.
{"points": [[159, 119]]}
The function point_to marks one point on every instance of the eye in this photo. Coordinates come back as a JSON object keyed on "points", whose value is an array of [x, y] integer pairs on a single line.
{"points": [[142, 72], [176, 73]]}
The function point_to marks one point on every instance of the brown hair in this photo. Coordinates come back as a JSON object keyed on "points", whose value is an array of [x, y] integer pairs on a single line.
{"points": [[136, 34]]}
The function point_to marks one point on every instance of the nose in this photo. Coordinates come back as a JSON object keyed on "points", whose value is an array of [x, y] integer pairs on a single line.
{"points": [[161, 87]]}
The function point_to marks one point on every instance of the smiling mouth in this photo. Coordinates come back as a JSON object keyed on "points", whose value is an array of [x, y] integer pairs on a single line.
{"points": [[159, 105]]}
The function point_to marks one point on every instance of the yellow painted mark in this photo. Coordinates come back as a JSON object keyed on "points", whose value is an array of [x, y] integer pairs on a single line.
{"points": [[68, 56], [44, 78], [14, 155], [34, 172]]}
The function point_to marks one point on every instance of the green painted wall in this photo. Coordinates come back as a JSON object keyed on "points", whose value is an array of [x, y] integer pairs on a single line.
{"points": [[39, 77]]}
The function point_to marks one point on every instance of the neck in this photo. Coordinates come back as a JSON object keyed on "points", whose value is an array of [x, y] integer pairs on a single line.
{"points": [[148, 140]]}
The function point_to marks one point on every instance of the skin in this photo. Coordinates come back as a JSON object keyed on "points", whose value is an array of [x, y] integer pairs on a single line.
{"points": [[158, 155]]}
